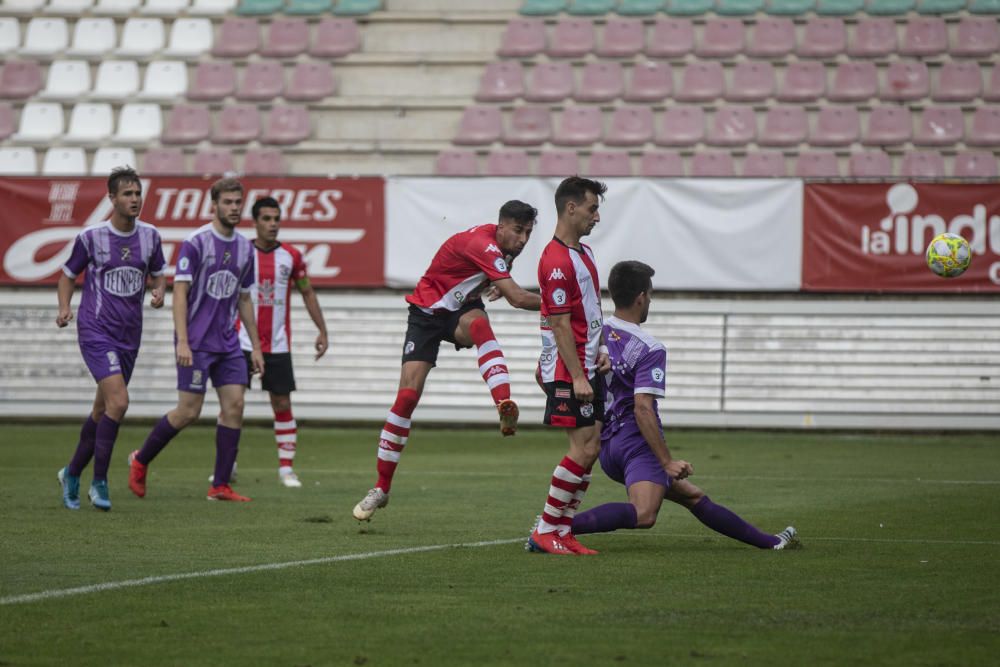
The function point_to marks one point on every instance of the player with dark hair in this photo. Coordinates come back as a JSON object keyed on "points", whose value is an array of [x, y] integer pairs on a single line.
{"points": [[573, 355], [446, 305], [633, 450], [215, 272], [278, 266]]}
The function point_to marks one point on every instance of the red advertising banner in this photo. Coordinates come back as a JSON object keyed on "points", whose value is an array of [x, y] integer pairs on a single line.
{"points": [[337, 223], [872, 237]]}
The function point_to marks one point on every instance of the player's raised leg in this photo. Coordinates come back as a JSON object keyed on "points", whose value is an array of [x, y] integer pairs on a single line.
{"points": [[474, 328], [723, 520]]}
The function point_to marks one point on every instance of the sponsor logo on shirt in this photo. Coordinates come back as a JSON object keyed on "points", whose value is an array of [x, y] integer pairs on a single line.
{"points": [[221, 285], [500, 265], [124, 281], [458, 296], [587, 410], [557, 274], [657, 374], [596, 324], [265, 294], [559, 297], [492, 248], [562, 393]]}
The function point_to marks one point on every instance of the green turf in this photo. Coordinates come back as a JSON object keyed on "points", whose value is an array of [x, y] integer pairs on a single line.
{"points": [[900, 564]]}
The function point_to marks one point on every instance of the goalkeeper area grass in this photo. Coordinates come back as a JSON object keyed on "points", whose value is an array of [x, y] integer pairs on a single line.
{"points": [[899, 565]]}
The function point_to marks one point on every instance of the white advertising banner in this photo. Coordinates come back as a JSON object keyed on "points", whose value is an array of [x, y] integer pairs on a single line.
{"points": [[699, 234]]}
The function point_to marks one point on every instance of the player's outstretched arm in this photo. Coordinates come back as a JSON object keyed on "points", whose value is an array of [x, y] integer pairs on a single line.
{"points": [[64, 292], [645, 418], [517, 296], [312, 307], [246, 309]]}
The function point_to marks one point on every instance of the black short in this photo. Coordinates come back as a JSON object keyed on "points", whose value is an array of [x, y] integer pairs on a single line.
{"points": [[564, 410], [424, 332], [278, 376]]}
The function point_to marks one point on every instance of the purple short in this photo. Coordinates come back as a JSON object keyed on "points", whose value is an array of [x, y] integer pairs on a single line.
{"points": [[626, 458], [221, 368], [106, 359]]}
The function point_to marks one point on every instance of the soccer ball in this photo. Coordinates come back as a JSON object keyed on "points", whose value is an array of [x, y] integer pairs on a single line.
{"points": [[949, 255]]}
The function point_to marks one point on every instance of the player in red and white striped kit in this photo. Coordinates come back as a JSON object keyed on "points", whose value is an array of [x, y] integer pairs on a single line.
{"points": [[573, 354], [446, 305], [278, 267]]}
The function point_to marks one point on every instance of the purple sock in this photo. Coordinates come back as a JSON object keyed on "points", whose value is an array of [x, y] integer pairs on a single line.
{"points": [[722, 520], [227, 444], [84, 448], [605, 518], [104, 444], [157, 439]]}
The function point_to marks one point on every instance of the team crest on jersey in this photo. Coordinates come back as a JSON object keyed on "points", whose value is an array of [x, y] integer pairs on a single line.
{"points": [[196, 379], [284, 271], [587, 410], [113, 363], [559, 297], [226, 256], [557, 274], [183, 264], [500, 265], [613, 335], [265, 292], [657, 375], [492, 248], [126, 252]]}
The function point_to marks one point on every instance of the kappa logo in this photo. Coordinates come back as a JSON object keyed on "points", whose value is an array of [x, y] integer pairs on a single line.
{"points": [[562, 407], [493, 248], [557, 274]]}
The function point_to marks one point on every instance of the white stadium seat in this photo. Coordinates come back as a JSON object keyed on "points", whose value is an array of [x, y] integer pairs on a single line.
{"points": [[90, 123], [106, 159], [116, 7], [10, 35], [67, 80], [139, 123], [18, 161], [165, 7], [164, 80], [22, 6], [212, 7], [45, 36], [72, 7], [93, 37], [189, 38], [116, 80], [41, 122], [64, 162], [141, 37]]}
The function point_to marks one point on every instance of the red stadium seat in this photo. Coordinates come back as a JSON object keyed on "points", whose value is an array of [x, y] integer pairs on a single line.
{"points": [[187, 124], [335, 37], [286, 38], [550, 82], [609, 163], [238, 38], [528, 126], [20, 79], [630, 126], [823, 38], [263, 80], [502, 81], [925, 36], [571, 38], [817, 165], [681, 126], [523, 38], [992, 92], [213, 81], [311, 81], [784, 126], [836, 126], [958, 81], [977, 38], [578, 126], [558, 163], [661, 164], [975, 164], [600, 81], [888, 125], [985, 130], [711, 163], [772, 38], [940, 126], [163, 162], [855, 81], [651, 81], [671, 38], [479, 125], [286, 125], [752, 81], [721, 38], [507, 163], [768, 164], [906, 80], [622, 38], [732, 126], [214, 161], [870, 164], [264, 162], [237, 124], [873, 38], [703, 81], [804, 81], [456, 163], [922, 164]]}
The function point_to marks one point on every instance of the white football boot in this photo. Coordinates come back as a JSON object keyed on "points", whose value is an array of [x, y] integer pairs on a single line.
{"points": [[788, 539], [375, 499]]}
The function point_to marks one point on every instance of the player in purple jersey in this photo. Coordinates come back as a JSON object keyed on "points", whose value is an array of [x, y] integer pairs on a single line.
{"points": [[117, 254], [633, 451], [215, 272]]}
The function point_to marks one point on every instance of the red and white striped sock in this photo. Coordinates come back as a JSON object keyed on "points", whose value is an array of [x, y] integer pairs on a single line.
{"points": [[566, 480], [492, 363], [566, 520], [394, 435], [285, 434]]}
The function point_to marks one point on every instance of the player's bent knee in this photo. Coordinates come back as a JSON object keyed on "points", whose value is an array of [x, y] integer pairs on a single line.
{"points": [[645, 518]]}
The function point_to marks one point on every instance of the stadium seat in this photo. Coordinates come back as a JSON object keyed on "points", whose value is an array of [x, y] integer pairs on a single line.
{"points": [[456, 163], [720, 38], [661, 164], [681, 126], [308, 7], [237, 124], [651, 81], [839, 7], [992, 92], [41, 123], [187, 124], [823, 38], [940, 126], [976, 38], [213, 162], [45, 36], [286, 125], [212, 7], [751, 81], [890, 7], [74, 7], [854, 81], [958, 81], [732, 126], [836, 126], [312, 81], [141, 37], [906, 80], [609, 163], [106, 159], [528, 126], [712, 164], [93, 37], [558, 163], [20, 79], [571, 38], [640, 7], [164, 8], [671, 38], [790, 7], [812, 164], [10, 35], [985, 130], [501, 81], [286, 38], [630, 126], [983, 7], [784, 126], [116, 80], [888, 125], [263, 80], [522, 38], [64, 162], [18, 161], [67, 80], [139, 123], [164, 80], [507, 163], [869, 164], [189, 38], [238, 38], [356, 7], [8, 122], [600, 81], [479, 125], [578, 126], [622, 38], [738, 7], [922, 164], [975, 164], [335, 37], [702, 82], [772, 38], [804, 81], [590, 7], [925, 36], [873, 38], [23, 6], [689, 7], [940, 6], [549, 82], [90, 123], [264, 162], [116, 7], [213, 81], [259, 7], [163, 162], [767, 164], [542, 7]]}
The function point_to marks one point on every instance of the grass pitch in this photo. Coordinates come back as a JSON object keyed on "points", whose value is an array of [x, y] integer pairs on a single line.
{"points": [[900, 565]]}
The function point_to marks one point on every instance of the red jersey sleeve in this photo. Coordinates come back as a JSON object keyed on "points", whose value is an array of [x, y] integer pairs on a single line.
{"points": [[298, 264], [556, 280], [482, 250]]}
